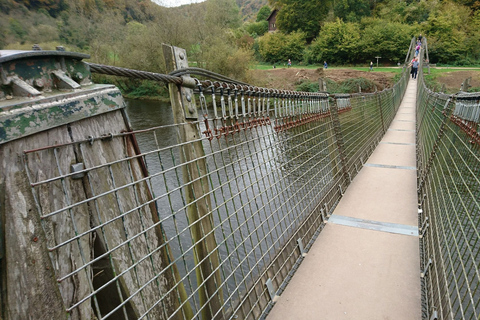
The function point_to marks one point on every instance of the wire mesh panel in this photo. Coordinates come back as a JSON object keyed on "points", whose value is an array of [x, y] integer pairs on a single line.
{"points": [[361, 129], [363, 120], [449, 159], [194, 219]]}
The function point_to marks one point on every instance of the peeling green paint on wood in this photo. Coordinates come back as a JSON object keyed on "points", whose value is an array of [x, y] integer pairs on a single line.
{"points": [[55, 111]]}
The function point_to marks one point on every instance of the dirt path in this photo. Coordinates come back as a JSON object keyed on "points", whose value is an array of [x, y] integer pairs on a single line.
{"points": [[289, 78], [454, 79]]}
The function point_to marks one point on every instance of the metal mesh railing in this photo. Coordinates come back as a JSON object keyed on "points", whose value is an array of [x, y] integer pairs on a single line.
{"points": [[202, 219], [448, 157]]}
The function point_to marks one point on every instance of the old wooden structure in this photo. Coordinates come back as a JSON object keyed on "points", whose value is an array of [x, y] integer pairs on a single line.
{"points": [[47, 98], [272, 21]]}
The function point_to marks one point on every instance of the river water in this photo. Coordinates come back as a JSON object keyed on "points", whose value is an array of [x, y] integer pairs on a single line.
{"points": [[256, 180]]}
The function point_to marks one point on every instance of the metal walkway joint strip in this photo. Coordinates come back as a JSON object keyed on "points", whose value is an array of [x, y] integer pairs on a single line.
{"points": [[401, 130], [388, 166], [374, 225], [398, 143]]}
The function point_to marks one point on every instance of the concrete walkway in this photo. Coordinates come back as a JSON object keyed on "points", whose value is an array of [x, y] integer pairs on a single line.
{"points": [[365, 263]]}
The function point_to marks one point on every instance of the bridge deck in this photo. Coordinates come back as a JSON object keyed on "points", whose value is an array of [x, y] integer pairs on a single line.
{"points": [[365, 263]]}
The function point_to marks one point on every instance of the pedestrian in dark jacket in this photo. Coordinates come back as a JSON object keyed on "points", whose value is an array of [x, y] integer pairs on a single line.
{"points": [[414, 64]]}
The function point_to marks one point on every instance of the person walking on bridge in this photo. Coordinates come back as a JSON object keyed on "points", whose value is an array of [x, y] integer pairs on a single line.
{"points": [[414, 64], [417, 50]]}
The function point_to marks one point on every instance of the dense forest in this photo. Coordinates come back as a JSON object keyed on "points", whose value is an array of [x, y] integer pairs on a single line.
{"points": [[226, 36]]}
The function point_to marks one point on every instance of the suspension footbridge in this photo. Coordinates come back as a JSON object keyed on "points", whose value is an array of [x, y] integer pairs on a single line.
{"points": [[243, 203], [365, 262]]}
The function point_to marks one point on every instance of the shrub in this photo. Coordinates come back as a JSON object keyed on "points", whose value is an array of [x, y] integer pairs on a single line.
{"points": [[275, 47], [307, 86], [145, 89], [352, 85], [337, 42]]}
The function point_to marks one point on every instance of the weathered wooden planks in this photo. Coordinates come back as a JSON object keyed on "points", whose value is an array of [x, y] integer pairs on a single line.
{"points": [[135, 261]]}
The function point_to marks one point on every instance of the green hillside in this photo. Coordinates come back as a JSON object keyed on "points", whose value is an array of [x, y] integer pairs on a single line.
{"points": [[228, 36], [250, 8]]}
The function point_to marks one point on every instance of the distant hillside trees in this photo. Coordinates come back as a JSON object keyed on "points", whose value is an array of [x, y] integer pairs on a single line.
{"points": [[263, 13], [53, 7], [351, 10], [260, 27], [130, 32], [447, 32], [223, 14], [301, 15]]}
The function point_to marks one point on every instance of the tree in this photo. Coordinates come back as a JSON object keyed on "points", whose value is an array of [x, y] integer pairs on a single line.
{"points": [[223, 14], [338, 42], [447, 32], [386, 39], [301, 15], [17, 29], [473, 38], [263, 13], [404, 12], [352, 10], [257, 28], [275, 47]]}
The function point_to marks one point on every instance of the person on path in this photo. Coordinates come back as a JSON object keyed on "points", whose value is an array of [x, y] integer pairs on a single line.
{"points": [[289, 64], [417, 50], [325, 65], [414, 64], [420, 38], [371, 65]]}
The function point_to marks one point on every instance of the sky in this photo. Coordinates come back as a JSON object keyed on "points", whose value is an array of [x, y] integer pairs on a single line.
{"points": [[175, 3]]}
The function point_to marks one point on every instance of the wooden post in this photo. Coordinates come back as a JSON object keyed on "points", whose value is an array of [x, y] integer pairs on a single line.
{"points": [[467, 84], [322, 84], [426, 52], [196, 188]]}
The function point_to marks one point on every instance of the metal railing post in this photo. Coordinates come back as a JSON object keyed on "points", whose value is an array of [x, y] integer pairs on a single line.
{"points": [[441, 131], [379, 104], [339, 139], [196, 188]]}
